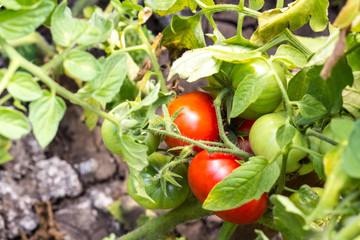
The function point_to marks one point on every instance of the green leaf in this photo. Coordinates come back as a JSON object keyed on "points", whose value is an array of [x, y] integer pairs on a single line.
{"points": [[285, 135], [351, 154], [166, 7], [353, 40], [134, 153], [98, 30], [184, 33], [292, 57], [256, 4], [351, 97], [82, 65], [14, 124], [91, 118], [65, 29], [310, 107], [238, 57], [107, 85], [288, 218], [16, 24], [45, 114], [199, 63], [23, 87], [247, 92], [297, 14], [20, 4], [329, 92], [244, 184], [227, 230]]}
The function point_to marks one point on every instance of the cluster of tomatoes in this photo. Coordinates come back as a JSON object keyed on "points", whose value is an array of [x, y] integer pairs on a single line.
{"points": [[256, 129]]}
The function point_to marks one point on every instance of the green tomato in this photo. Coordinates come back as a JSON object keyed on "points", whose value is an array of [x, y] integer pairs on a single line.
{"points": [[263, 142], [110, 133], [307, 198], [270, 97], [151, 182]]}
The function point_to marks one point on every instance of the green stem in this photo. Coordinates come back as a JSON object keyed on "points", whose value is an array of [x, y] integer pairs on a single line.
{"points": [[349, 232], [154, 61], [14, 65], [310, 132], [161, 226], [236, 152], [38, 40], [291, 38], [311, 152], [56, 59], [279, 3], [281, 183], [290, 189], [5, 99], [273, 43], [226, 231], [39, 72], [222, 133]]}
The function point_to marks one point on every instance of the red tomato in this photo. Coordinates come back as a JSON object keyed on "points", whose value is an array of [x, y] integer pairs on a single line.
{"points": [[197, 120], [206, 170], [243, 131]]}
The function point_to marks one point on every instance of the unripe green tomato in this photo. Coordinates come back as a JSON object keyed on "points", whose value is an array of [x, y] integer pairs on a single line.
{"points": [[152, 185], [263, 142], [109, 132], [270, 97], [306, 205]]}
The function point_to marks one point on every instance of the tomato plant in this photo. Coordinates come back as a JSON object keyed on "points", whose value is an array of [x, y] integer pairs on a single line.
{"points": [[197, 119], [162, 197], [242, 132], [312, 81], [215, 167]]}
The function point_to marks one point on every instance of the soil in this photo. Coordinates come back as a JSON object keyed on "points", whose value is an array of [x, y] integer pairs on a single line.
{"points": [[63, 191]]}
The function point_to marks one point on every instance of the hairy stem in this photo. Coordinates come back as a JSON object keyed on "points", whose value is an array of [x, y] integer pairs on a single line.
{"points": [[161, 226], [281, 183], [310, 132], [236, 152]]}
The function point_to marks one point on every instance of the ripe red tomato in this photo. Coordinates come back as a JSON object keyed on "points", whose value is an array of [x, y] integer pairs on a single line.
{"points": [[206, 170], [243, 135], [197, 120]]}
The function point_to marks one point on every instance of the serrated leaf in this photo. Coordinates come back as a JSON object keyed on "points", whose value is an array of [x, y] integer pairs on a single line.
{"points": [[45, 114], [166, 7], [98, 30], [23, 87], [82, 65], [310, 107], [297, 14], [285, 135], [199, 63], [291, 56], [247, 92], [288, 218], [20, 4], [16, 24], [133, 153], [351, 97], [65, 29], [108, 84], [351, 154], [14, 124], [183, 34], [244, 184]]}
